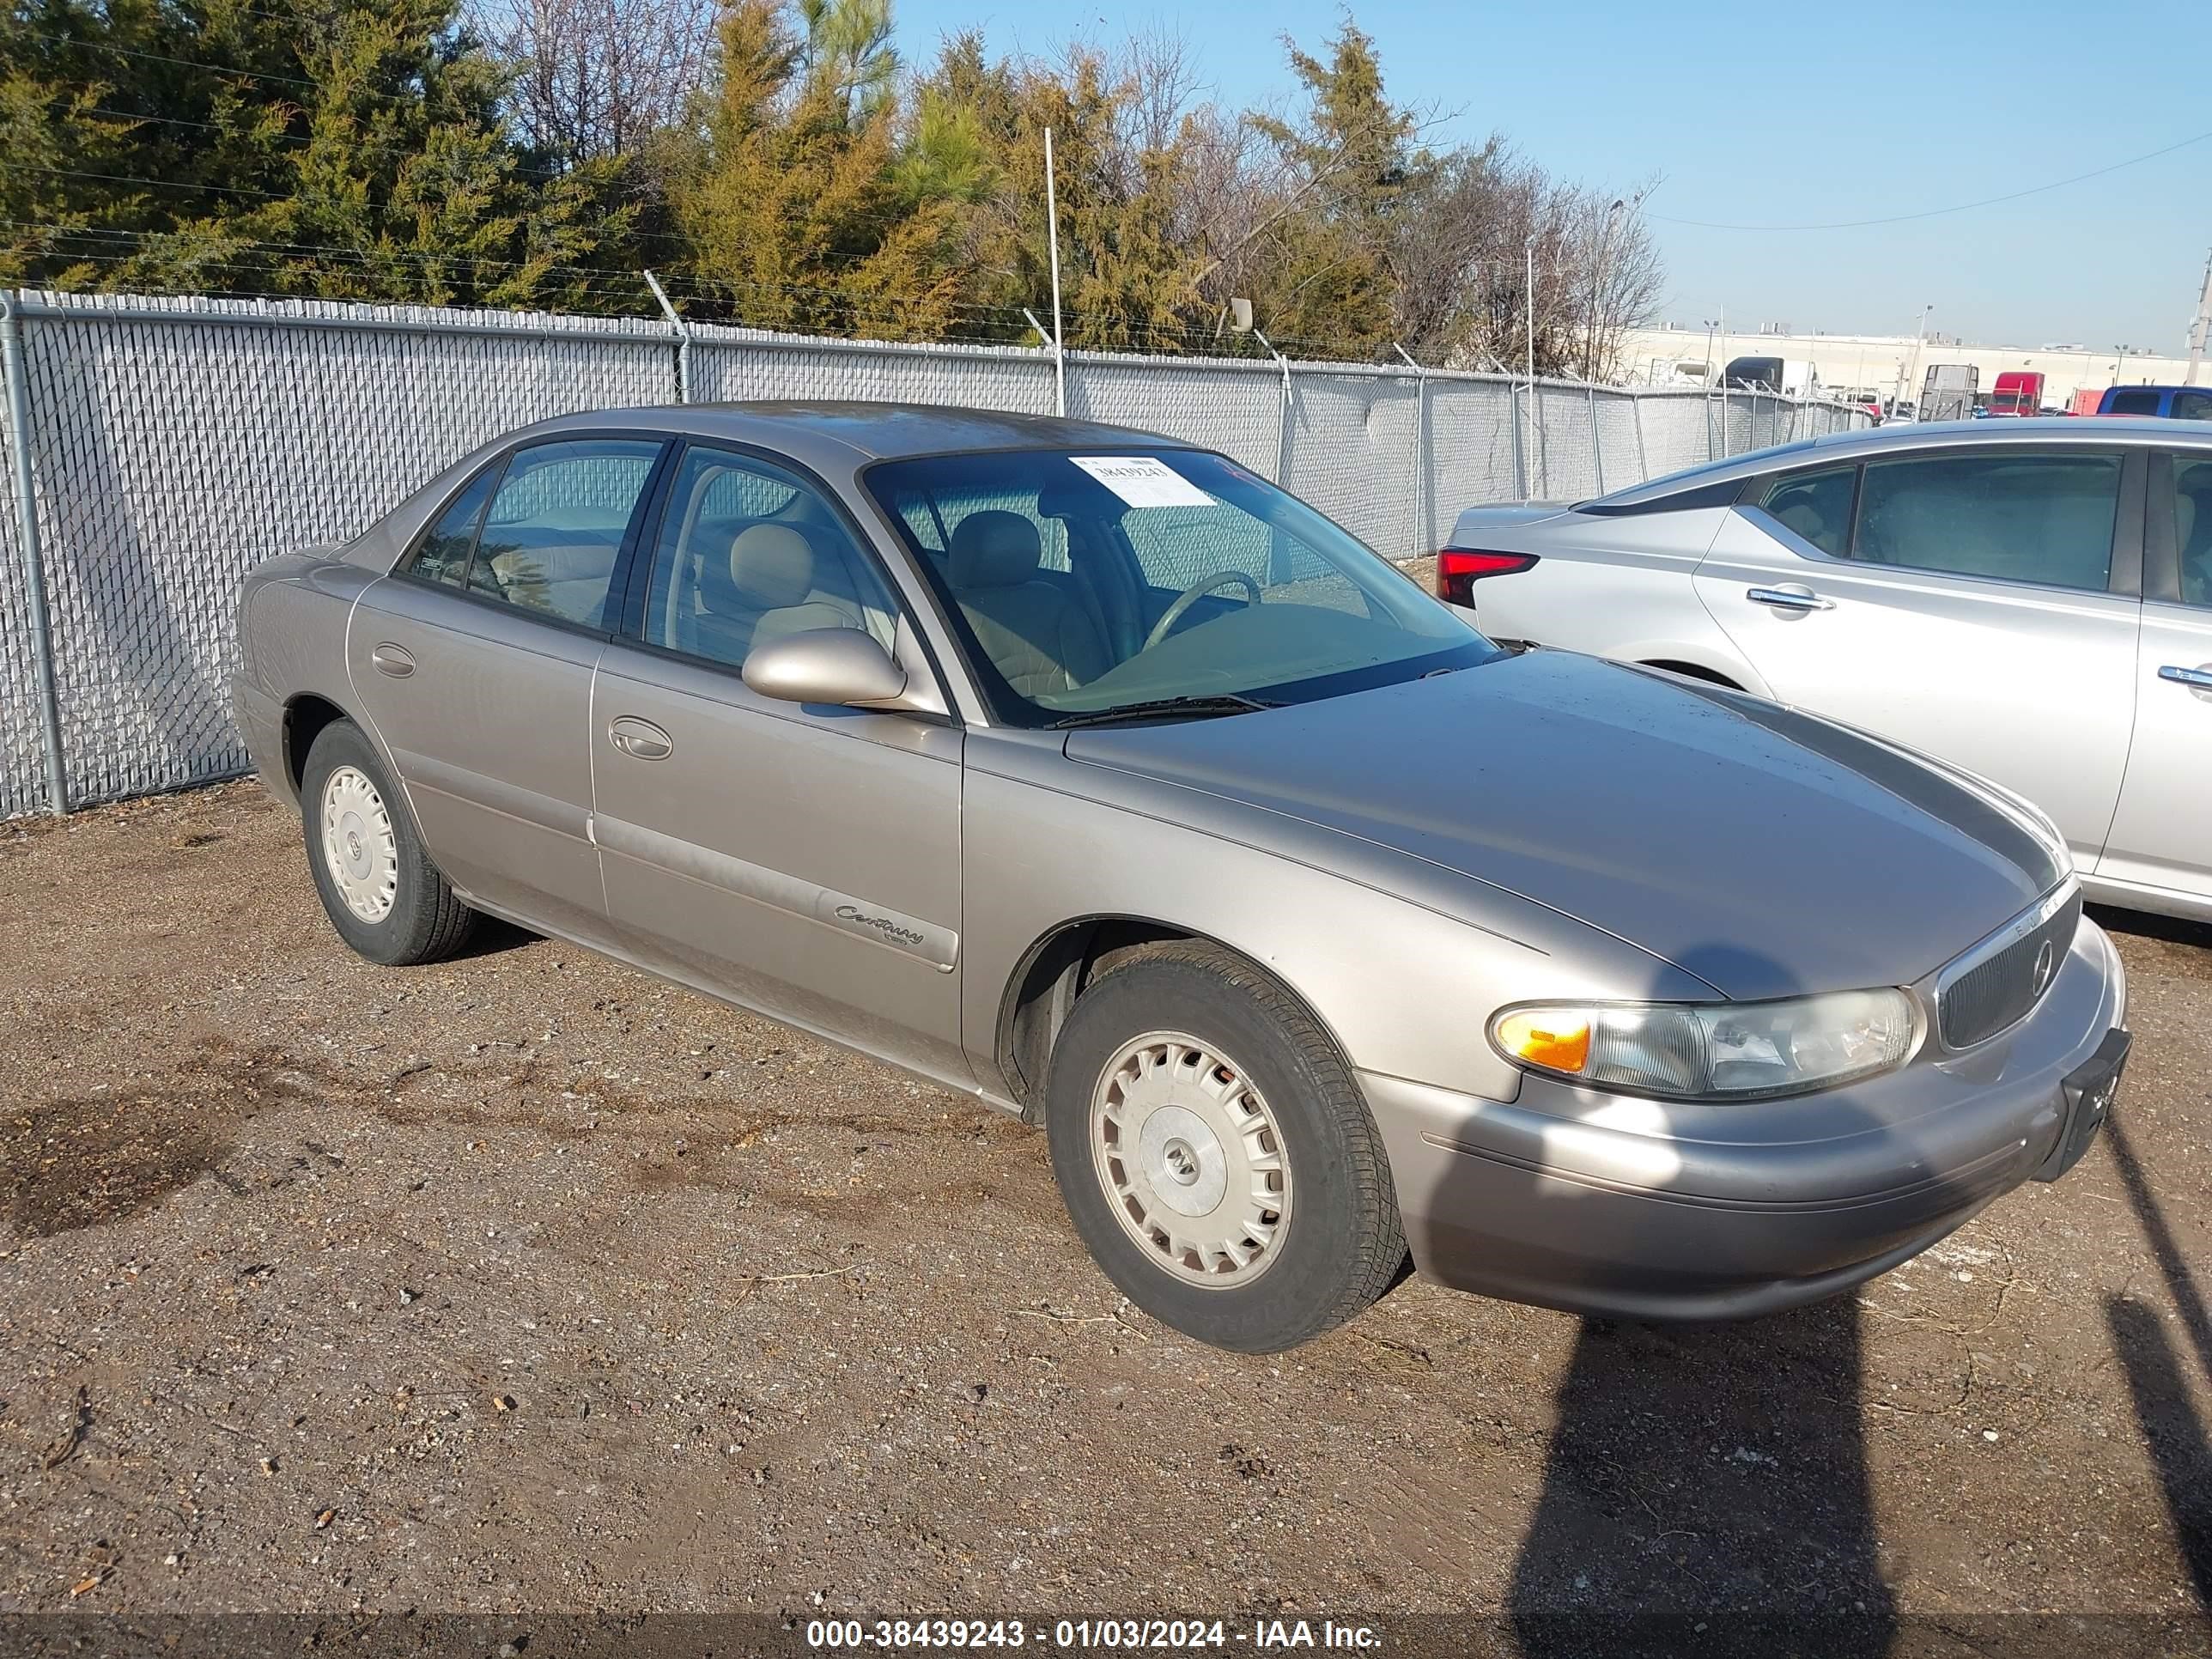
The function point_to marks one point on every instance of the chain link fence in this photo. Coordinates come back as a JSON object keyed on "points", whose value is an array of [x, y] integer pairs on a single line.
{"points": [[175, 443]]}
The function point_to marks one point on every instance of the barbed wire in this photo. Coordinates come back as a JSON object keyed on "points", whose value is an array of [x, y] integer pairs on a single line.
{"points": [[703, 289]]}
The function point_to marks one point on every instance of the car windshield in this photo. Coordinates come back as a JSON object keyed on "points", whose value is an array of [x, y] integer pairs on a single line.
{"points": [[1086, 582]]}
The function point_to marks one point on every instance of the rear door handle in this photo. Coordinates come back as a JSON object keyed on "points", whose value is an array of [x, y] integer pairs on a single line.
{"points": [[1790, 596], [393, 659], [640, 739], [2197, 680]]}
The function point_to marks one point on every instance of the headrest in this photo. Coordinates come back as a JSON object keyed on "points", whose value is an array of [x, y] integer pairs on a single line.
{"points": [[994, 549], [2185, 510], [772, 565]]}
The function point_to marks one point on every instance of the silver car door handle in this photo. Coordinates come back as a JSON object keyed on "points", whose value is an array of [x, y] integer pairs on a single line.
{"points": [[1788, 598], [2197, 680], [640, 739], [393, 659]]}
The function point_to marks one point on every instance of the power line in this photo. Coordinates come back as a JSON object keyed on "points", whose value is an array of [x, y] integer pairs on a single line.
{"points": [[1962, 206], [180, 62], [156, 184], [247, 74]]}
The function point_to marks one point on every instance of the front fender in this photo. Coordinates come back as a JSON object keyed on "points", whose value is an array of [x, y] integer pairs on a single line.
{"points": [[1403, 961]]}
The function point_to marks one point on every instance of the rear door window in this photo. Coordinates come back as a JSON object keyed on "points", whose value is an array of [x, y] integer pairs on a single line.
{"points": [[2192, 529], [2043, 517], [1817, 507], [554, 528], [2192, 405]]}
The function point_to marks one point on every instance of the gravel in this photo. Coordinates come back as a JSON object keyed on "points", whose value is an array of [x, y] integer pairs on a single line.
{"points": [[525, 1281]]}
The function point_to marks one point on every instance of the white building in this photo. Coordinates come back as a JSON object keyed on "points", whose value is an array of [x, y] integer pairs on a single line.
{"points": [[1680, 354]]}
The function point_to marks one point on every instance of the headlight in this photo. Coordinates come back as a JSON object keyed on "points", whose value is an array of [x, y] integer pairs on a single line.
{"points": [[1712, 1051]]}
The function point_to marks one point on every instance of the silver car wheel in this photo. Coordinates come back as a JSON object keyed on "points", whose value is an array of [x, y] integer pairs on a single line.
{"points": [[1191, 1160], [359, 847]]}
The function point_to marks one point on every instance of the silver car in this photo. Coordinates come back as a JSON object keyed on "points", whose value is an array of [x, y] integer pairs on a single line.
{"points": [[2033, 604], [1091, 774]]}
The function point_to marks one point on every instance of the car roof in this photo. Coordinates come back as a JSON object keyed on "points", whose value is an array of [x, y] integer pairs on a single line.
{"points": [[1899, 437], [854, 433]]}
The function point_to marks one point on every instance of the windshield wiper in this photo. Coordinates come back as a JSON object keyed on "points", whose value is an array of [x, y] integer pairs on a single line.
{"points": [[1224, 702]]}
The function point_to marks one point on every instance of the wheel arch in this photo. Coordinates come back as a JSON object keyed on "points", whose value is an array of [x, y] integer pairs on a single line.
{"points": [[307, 715], [1048, 977], [1695, 671], [1714, 660]]}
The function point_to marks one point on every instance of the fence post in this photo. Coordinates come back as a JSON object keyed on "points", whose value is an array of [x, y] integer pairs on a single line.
{"points": [[35, 564], [1597, 449], [1287, 421], [1643, 460], [1425, 506], [683, 340], [1543, 443], [1520, 447]]}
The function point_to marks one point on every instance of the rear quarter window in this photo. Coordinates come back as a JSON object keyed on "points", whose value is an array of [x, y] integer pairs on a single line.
{"points": [[1816, 507], [442, 555]]}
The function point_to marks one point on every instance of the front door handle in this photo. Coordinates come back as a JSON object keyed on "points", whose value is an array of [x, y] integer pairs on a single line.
{"points": [[2197, 680], [640, 739], [1790, 595], [396, 660]]}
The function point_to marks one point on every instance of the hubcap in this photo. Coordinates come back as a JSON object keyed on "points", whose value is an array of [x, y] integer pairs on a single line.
{"points": [[358, 846], [1191, 1160]]}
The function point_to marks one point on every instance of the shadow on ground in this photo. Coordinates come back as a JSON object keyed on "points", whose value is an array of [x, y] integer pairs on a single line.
{"points": [[1706, 1475]]}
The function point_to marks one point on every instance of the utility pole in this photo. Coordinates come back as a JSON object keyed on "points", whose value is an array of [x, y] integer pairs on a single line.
{"points": [[1530, 296], [2198, 329], [1052, 229], [1920, 341]]}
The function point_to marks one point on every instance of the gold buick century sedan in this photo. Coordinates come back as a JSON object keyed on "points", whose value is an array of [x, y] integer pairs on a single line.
{"points": [[1086, 772]]}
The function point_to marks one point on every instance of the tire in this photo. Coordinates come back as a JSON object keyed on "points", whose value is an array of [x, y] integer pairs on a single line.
{"points": [[388, 901], [1134, 1052]]}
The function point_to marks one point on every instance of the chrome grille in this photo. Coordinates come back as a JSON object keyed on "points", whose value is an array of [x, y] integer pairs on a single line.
{"points": [[1989, 994]]}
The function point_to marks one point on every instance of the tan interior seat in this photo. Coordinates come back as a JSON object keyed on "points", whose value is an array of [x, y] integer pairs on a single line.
{"points": [[568, 581], [762, 591], [1040, 637]]}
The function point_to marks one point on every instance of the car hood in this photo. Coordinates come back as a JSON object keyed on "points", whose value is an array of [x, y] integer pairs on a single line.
{"points": [[1764, 850]]}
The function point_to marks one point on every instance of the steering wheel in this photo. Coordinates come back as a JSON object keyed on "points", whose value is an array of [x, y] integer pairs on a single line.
{"points": [[1191, 595]]}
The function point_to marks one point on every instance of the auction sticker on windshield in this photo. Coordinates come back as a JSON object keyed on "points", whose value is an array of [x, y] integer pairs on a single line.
{"points": [[1144, 481]]}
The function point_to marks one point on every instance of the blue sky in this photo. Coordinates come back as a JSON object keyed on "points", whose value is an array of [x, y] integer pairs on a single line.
{"points": [[1771, 114]]}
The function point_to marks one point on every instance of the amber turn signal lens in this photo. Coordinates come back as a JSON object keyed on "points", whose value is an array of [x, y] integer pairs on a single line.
{"points": [[1543, 1038]]}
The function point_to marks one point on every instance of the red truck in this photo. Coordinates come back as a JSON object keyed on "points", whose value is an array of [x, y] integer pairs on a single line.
{"points": [[2017, 391]]}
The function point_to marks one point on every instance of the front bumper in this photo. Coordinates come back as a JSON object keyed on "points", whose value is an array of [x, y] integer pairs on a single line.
{"points": [[1608, 1205]]}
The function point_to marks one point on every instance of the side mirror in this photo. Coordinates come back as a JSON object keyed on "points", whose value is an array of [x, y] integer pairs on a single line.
{"points": [[842, 666]]}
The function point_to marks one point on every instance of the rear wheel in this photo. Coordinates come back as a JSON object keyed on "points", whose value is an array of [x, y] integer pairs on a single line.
{"points": [[1216, 1154], [380, 889]]}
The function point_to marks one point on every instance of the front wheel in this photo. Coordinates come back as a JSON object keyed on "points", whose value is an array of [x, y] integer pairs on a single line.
{"points": [[379, 887], [1215, 1152]]}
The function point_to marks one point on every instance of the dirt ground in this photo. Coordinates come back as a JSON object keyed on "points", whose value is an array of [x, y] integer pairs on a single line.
{"points": [[526, 1282]]}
